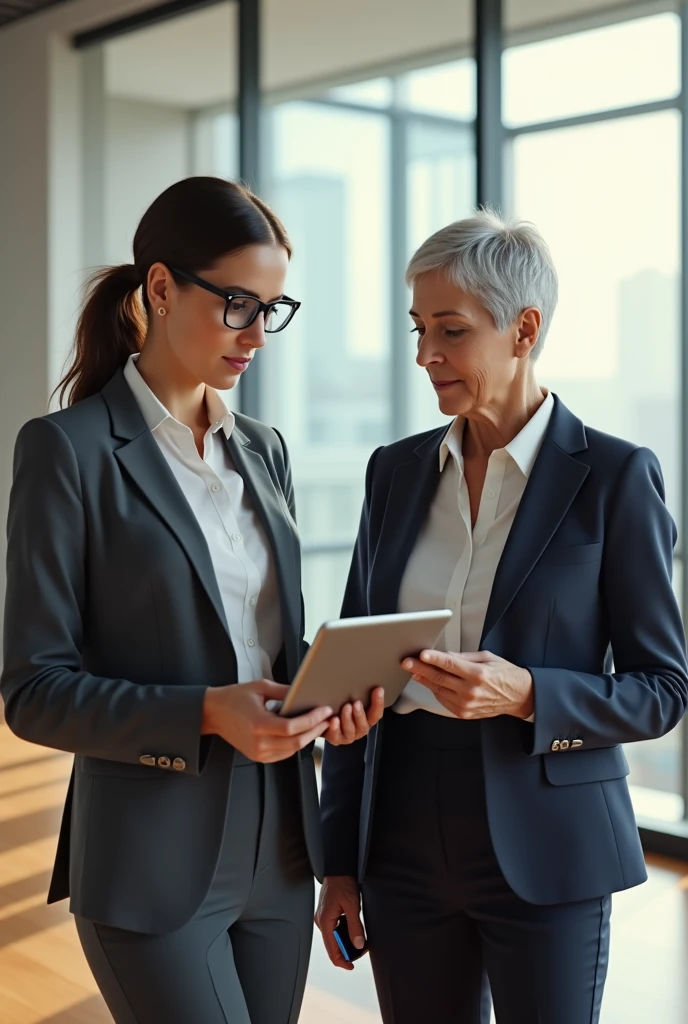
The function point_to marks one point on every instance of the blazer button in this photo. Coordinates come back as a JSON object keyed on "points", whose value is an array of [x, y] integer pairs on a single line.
{"points": [[576, 743], [564, 745], [555, 745], [148, 759], [164, 762], [179, 764]]}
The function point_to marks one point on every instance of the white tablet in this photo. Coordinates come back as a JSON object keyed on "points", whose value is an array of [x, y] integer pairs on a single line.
{"points": [[350, 657]]}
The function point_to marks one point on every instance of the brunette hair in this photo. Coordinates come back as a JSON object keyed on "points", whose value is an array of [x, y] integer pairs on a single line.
{"points": [[190, 226]]}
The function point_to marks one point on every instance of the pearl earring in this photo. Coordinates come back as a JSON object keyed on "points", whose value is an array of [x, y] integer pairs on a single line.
{"points": [[162, 311]]}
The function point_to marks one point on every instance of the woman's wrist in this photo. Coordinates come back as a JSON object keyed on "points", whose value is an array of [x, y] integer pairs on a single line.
{"points": [[209, 717], [527, 707]]}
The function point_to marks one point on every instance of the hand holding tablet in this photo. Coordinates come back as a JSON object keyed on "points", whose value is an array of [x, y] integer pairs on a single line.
{"points": [[355, 721], [350, 658]]}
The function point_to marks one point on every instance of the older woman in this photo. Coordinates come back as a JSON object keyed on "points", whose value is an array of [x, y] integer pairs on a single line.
{"points": [[487, 819]]}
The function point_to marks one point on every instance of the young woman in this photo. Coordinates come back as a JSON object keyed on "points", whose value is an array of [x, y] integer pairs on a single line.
{"points": [[153, 563]]}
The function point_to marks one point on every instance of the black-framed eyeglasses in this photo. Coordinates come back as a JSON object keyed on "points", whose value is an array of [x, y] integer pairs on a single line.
{"points": [[242, 310]]}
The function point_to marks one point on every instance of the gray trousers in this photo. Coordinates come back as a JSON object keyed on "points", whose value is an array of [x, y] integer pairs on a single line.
{"points": [[243, 957]]}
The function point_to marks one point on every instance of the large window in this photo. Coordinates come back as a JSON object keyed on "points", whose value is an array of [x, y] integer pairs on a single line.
{"points": [[594, 160], [361, 174], [615, 67], [327, 383], [606, 195], [440, 188]]}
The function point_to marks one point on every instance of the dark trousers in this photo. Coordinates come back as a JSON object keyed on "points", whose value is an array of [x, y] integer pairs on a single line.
{"points": [[243, 958], [439, 914]]}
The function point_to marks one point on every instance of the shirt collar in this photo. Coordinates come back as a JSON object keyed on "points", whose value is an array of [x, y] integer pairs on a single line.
{"points": [[452, 443], [155, 413], [523, 449]]}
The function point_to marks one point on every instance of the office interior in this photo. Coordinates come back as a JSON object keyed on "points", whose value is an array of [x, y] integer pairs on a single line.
{"points": [[367, 125]]}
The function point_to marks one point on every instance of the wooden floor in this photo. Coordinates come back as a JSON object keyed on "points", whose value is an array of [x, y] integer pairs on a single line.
{"points": [[44, 979]]}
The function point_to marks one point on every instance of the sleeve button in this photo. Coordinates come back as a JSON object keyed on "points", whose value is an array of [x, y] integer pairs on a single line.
{"points": [[179, 764], [164, 762], [555, 745]]}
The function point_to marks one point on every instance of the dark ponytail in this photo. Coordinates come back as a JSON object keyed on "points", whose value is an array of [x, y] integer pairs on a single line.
{"points": [[190, 226], [112, 325]]}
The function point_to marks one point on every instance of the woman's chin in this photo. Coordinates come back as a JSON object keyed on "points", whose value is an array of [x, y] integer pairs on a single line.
{"points": [[453, 404], [223, 379]]}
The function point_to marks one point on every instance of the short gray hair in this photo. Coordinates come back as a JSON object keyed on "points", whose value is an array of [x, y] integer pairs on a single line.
{"points": [[505, 264]]}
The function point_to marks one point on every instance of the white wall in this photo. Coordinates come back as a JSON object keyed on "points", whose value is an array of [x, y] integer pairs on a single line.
{"points": [[23, 249], [40, 218], [146, 149]]}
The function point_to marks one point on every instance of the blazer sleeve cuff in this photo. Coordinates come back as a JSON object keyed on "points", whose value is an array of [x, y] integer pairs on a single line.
{"points": [[177, 737], [550, 724]]}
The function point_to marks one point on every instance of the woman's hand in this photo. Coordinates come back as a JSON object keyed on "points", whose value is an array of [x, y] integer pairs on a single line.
{"points": [[476, 685], [238, 714], [339, 895], [353, 722]]}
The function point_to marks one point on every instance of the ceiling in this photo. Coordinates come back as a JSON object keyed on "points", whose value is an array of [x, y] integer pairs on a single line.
{"points": [[189, 62], [11, 10]]}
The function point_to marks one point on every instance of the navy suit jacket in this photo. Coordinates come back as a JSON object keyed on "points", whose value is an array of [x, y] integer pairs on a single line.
{"points": [[585, 577]]}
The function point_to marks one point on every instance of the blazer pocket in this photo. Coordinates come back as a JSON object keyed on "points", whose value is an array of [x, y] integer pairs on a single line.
{"points": [[570, 554], [573, 767], [120, 769]]}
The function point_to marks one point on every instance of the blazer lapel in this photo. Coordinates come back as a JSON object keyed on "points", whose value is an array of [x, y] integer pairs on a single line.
{"points": [[411, 492], [274, 514], [145, 464], [554, 483]]}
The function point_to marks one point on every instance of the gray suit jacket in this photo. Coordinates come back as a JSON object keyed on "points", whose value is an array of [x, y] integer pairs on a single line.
{"points": [[114, 626]]}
